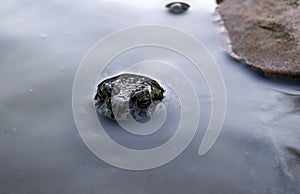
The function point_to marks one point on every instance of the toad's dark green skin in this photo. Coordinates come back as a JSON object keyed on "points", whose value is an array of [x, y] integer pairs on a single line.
{"points": [[140, 92]]}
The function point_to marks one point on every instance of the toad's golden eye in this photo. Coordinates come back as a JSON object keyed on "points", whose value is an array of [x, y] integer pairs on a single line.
{"points": [[141, 99], [177, 7]]}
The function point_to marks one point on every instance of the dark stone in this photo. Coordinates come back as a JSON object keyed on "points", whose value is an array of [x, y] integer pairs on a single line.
{"points": [[177, 7]]}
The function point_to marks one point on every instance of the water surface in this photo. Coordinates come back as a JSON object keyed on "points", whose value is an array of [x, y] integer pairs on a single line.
{"points": [[42, 44]]}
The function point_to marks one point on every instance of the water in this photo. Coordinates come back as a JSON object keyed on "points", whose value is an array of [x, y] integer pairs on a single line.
{"points": [[42, 44]]}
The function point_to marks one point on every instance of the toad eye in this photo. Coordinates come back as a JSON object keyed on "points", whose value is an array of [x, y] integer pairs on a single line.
{"points": [[143, 102], [103, 92], [141, 99], [177, 7], [105, 88]]}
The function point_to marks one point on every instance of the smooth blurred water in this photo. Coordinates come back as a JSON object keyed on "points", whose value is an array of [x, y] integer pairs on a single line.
{"points": [[41, 46]]}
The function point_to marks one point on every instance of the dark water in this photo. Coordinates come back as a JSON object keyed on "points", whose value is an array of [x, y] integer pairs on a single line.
{"points": [[41, 46]]}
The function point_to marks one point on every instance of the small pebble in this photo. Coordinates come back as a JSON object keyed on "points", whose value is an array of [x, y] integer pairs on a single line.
{"points": [[177, 7]]}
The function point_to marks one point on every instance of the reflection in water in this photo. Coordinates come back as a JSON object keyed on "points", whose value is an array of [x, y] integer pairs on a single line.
{"points": [[295, 152], [42, 44]]}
